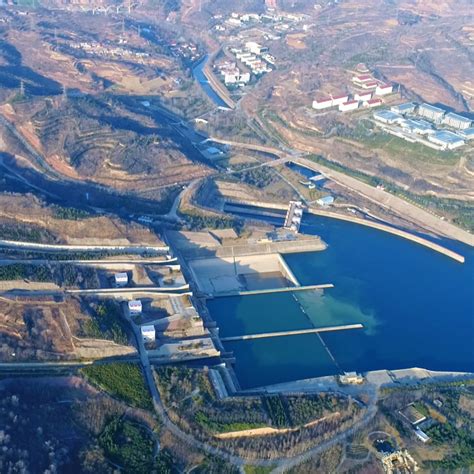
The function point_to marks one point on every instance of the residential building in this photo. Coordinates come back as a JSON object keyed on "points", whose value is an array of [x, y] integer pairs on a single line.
{"points": [[322, 103], [339, 99], [384, 89], [363, 96], [349, 105], [373, 103]]}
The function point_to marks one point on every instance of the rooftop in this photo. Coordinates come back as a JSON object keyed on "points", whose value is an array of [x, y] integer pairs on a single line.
{"points": [[447, 137], [454, 116]]}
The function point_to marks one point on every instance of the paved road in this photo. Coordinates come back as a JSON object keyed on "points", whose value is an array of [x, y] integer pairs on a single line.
{"points": [[83, 248]]}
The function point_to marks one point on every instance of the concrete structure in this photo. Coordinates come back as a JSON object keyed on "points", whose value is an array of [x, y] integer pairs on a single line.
{"points": [[349, 105], [135, 307], [384, 89], [351, 378], [421, 435], [446, 140], [373, 103], [339, 99], [457, 121], [294, 216], [402, 109], [420, 127], [148, 333], [431, 112], [325, 103], [363, 96], [387, 116], [325, 201], [121, 279]]}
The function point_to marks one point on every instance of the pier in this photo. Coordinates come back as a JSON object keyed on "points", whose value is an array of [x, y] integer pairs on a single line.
{"points": [[274, 290], [297, 332]]}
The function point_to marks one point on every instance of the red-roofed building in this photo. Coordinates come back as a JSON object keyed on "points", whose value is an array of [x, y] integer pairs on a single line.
{"points": [[369, 85], [361, 79], [373, 103], [363, 96], [383, 89], [322, 103], [339, 99], [349, 105]]}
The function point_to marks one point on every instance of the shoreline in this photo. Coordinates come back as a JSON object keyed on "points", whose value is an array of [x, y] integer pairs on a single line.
{"points": [[356, 220], [381, 378]]}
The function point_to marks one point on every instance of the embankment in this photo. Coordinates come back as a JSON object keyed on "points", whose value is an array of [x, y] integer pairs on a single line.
{"points": [[376, 225]]}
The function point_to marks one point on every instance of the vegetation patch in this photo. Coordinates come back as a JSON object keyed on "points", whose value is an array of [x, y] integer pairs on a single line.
{"points": [[129, 445], [122, 380], [108, 324]]}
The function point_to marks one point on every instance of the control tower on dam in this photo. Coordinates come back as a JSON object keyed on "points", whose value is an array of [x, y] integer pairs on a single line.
{"points": [[294, 216]]}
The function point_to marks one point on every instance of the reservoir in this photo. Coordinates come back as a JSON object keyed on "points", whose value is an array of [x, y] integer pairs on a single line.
{"points": [[416, 306]]}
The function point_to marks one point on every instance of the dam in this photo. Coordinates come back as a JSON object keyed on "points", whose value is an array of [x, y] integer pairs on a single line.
{"points": [[297, 332]]}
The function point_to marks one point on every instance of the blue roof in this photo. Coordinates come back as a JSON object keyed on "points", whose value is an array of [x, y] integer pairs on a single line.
{"points": [[447, 137]]}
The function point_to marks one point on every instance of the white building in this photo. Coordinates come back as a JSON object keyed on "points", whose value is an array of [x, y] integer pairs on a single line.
{"points": [[349, 105], [121, 279], [457, 121], [339, 99], [135, 307], [446, 140], [369, 85], [148, 333], [255, 48], [363, 96], [325, 103], [383, 89], [373, 103], [431, 112], [362, 79]]}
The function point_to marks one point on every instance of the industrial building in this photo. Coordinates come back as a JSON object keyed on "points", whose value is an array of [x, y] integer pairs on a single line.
{"points": [[468, 133], [387, 116], [349, 105], [148, 333], [135, 307], [325, 201], [431, 112], [457, 121], [384, 89], [121, 279], [417, 126], [446, 140], [402, 109]]}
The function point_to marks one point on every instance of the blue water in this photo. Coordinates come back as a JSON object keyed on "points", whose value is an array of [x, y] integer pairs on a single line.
{"points": [[198, 74], [417, 308]]}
